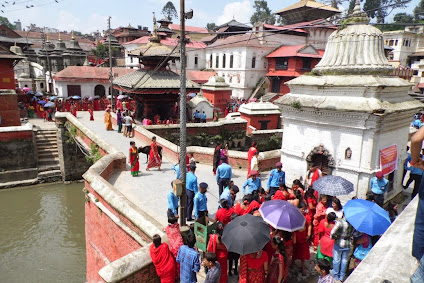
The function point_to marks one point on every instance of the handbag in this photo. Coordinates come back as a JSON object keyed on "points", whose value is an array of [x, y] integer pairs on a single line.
{"points": [[361, 252]]}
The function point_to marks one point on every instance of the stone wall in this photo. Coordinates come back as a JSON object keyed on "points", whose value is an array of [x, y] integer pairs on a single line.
{"points": [[266, 139], [9, 111], [18, 154]]}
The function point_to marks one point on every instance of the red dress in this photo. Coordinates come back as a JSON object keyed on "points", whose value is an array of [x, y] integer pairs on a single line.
{"points": [[252, 269], [283, 196], [301, 247], [135, 167], [288, 248], [239, 210], [274, 268], [326, 243], [224, 215], [175, 242], [91, 114], [164, 262], [154, 157], [250, 154], [319, 215], [221, 254]]}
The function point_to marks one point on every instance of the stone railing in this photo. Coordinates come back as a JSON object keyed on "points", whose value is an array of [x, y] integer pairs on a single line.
{"points": [[390, 259], [118, 232]]}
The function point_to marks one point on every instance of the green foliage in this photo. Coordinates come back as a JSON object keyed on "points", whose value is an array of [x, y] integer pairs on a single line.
{"points": [[169, 11], [5, 21], [419, 11], [71, 133], [102, 51], [351, 6], [403, 18], [380, 9], [210, 26], [95, 154], [296, 105], [262, 13]]}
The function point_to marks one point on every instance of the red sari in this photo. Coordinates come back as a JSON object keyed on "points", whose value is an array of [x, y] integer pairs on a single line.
{"points": [[250, 154], [221, 254], [224, 215], [274, 268], [301, 247], [319, 215], [252, 269], [164, 262], [175, 242], [154, 157], [326, 243], [91, 114], [135, 167]]}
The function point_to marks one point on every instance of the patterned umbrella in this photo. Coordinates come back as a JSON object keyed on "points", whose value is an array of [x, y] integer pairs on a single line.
{"points": [[366, 216], [333, 186], [246, 234], [282, 215]]}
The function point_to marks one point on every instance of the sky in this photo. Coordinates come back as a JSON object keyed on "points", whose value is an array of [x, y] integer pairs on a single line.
{"points": [[91, 15]]}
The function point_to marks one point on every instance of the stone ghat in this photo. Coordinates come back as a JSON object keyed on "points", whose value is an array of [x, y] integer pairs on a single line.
{"points": [[237, 159], [112, 218]]}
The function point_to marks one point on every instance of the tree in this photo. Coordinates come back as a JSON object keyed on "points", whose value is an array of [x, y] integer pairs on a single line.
{"points": [[102, 51], [210, 26], [419, 11], [262, 13], [169, 11], [5, 21], [351, 6], [380, 9], [403, 18]]}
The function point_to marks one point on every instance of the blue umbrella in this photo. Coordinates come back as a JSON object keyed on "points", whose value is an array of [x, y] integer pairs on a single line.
{"points": [[52, 98], [282, 215], [30, 92], [49, 104], [333, 186], [41, 102], [76, 97], [38, 93], [366, 216]]}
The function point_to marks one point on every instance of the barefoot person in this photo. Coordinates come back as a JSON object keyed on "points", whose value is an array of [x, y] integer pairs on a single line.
{"points": [[154, 158], [135, 167]]}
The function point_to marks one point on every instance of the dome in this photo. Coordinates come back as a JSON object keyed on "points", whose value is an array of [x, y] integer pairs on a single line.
{"points": [[357, 48]]}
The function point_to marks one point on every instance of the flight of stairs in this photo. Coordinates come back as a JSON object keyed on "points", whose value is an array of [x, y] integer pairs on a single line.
{"points": [[48, 156]]}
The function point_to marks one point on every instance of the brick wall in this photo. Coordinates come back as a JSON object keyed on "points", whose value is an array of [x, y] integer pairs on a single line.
{"points": [[146, 275], [9, 111]]}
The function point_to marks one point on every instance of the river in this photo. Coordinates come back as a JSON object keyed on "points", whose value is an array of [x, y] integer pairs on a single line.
{"points": [[42, 236]]}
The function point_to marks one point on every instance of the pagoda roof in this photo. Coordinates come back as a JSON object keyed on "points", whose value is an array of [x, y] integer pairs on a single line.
{"points": [[306, 10], [6, 54], [152, 82], [189, 28], [153, 49], [86, 74], [168, 42], [234, 23]]}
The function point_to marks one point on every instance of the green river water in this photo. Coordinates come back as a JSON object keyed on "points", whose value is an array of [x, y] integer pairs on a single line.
{"points": [[42, 236]]}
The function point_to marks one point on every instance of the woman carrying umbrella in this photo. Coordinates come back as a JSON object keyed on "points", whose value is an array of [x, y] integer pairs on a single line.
{"points": [[154, 157]]}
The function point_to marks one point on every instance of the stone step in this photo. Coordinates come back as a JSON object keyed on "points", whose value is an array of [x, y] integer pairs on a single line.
{"points": [[46, 142], [48, 154], [48, 168], [48, 161], [50, 176], [46, 131], [47, 149], [46, 134]]}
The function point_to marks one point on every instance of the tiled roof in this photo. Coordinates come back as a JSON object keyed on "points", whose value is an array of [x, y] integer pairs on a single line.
{"points": [[247, 39], [286, 28], [296, 51], [233, 23], [189, 28], [85, 73], [199, 77], [154, 49], [148, 80], [167, 41], [52, 36], [309, 4]]}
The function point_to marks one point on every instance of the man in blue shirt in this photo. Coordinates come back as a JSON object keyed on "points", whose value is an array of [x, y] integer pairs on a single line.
{"points": [[204, 117], [189, 261], [200, 201], [379, 185], [276, 177], [191, 190], [223, 175], [229, 194], [253, 183], [415, 175], [172, 204]]}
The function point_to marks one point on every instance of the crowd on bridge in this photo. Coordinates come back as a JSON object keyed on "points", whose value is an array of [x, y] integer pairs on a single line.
{"points": [[326, 230]]}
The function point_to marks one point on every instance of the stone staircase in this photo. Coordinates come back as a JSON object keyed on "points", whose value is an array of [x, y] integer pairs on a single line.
{"points": [[48, 156]]}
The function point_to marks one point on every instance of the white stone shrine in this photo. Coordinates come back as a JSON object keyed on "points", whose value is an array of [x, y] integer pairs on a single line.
{"points": [[347, 109]]}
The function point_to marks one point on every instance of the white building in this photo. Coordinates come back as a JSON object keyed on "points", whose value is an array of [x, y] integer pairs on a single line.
{"points": [[85, 81], [201, 104], [341, 117]]}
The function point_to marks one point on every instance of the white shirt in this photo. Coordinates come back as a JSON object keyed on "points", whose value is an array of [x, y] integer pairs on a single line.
{"points": [[339, 214], [128, 120]]}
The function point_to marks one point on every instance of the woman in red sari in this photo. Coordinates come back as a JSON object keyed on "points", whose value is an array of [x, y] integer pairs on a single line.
{"points": [[135, 167], [163, 260], [276, 265], [250, 154], [253, 267], [319, 215], [90, 110], [175, 239], [154, 157], [216, 246], [301, 247], [325, 248], [224, 213]]}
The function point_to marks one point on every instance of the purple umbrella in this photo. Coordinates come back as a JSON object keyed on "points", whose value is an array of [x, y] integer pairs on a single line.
{"points": [[282, 215], [41, 102]]}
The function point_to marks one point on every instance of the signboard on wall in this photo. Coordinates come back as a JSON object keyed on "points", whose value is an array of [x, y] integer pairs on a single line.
{"points": [[388, 159]]}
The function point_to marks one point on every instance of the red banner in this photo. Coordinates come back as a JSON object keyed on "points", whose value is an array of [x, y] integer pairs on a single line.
{"points": [[388, 159]]}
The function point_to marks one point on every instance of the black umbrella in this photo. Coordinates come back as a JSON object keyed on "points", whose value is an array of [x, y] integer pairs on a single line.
{"points": [[246, 234]]}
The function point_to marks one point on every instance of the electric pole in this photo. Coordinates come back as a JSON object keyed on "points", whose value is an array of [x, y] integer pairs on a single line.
{"points": [[110, 64], [183, 117], [49, 69]]}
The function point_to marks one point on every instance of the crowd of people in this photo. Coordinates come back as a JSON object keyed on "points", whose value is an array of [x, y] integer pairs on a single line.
{"points": [[326, 230]]}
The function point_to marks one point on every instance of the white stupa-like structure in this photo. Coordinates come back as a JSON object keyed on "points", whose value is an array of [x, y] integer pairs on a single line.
{"points": [[347, 109]]}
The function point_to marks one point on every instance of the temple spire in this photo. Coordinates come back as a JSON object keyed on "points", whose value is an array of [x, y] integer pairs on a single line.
{"points": [[155, 38]]}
